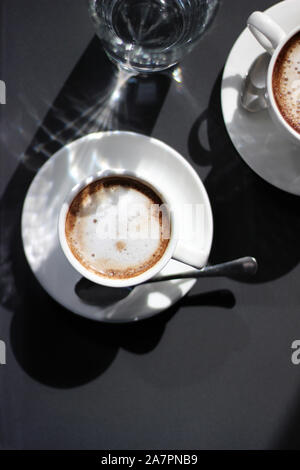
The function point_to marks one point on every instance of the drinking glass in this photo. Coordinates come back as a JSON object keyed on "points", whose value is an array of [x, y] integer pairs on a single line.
{"points": [[150, 35]]}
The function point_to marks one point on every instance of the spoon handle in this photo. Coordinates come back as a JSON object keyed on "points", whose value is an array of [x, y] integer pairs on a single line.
{"points": [[240, 267]]}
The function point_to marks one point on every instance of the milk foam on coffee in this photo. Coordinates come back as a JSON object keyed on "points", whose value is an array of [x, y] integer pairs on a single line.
{"points": [[286, 82], [114, 227]]}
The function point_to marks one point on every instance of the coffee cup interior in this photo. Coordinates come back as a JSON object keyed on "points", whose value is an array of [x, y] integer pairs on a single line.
{"points": [[117, 229]]}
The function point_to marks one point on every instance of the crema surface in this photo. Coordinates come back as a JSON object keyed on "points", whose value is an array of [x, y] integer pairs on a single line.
{"points": [[114, 227], [286, 82]]}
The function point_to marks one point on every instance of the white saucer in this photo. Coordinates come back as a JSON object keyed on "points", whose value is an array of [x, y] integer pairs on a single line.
{"points": [[254, 135], [56, 178]]}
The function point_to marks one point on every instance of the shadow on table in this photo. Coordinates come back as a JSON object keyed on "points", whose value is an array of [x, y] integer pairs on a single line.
{"points": [[63, 350], [95, 97], [98, 97], [251, 216], [52, 345]]}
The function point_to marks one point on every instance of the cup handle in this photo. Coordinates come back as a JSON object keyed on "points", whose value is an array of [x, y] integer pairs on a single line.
{"points": [[268, 33], [188, 255]]}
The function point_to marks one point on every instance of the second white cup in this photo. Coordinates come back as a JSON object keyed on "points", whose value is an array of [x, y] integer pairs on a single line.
{"points": [[273, 39]]}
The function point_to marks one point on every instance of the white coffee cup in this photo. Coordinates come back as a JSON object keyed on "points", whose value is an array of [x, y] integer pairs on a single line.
{"points": [[272, 38], [175, 249]]}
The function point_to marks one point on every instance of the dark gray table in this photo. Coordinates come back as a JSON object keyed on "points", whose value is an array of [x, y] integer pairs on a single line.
{"points": [[215, 370]]}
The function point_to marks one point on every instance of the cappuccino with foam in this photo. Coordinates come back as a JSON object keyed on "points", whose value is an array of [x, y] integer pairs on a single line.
{"points": [[117, 227], [286, 82]]}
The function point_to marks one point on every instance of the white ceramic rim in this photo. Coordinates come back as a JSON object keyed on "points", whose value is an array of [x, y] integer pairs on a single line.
{"points": [[98, 279]]}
